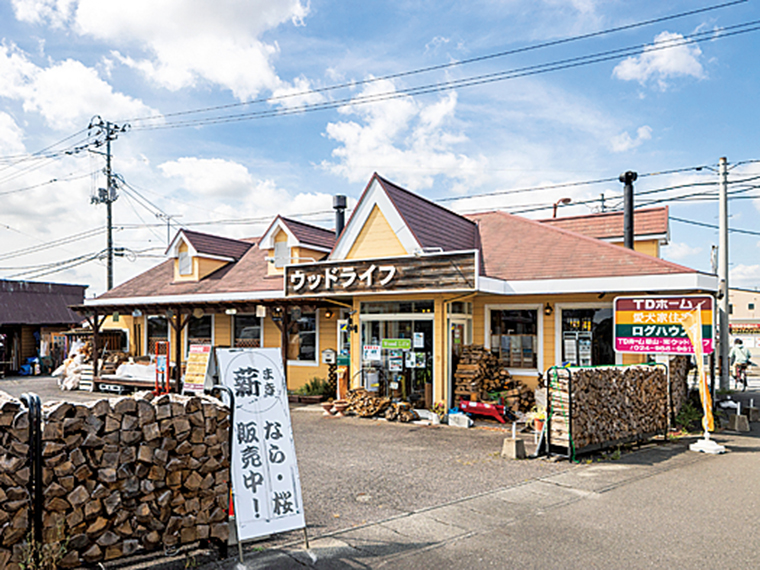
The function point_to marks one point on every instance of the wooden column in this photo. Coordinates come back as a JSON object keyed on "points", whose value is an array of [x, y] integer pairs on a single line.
{"points": [[284, 326], [95, 322], [178, 326]]}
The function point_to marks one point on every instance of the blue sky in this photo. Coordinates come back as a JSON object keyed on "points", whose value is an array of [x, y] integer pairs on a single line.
{"points": [[650, 110]]}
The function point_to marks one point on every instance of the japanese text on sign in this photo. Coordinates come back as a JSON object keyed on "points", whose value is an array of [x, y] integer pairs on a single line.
{"points": [[343, 277], [266, 484], [654, 324]]}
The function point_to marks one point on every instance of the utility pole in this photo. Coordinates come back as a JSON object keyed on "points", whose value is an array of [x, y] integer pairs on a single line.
{"points": [[108, 194], [604, 209], [723, 273]]}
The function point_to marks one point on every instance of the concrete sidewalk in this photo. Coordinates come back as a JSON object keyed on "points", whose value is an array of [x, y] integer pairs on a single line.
{"points": [[661, 505]]}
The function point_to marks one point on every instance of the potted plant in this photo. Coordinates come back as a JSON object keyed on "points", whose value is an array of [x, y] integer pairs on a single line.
{"points": [[313, 392], [538, 415]]}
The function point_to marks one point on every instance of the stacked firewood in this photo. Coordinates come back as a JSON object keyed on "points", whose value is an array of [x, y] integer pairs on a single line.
{"points": [[478, 373], [680, 366], [142, 471], [365, 405], [609, 404], [401, 411], [518, 397], [14, 477], [112, 362]]}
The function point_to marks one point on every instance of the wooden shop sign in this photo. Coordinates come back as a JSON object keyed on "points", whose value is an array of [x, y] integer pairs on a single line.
{"points": [[453, 271]]}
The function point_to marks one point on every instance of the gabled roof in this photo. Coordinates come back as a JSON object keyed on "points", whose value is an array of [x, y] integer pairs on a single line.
{"points": [[31, 303], [249, 274], [300, 234], [515, 248], [417, 222], [432, 225], [308, 234], [208, 245], [649, 222]]}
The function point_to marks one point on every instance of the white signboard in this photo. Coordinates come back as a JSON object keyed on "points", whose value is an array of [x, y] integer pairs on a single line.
{"points": [[265, 482], [372, 352]]}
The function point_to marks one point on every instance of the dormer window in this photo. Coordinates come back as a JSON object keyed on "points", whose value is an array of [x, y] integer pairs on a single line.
{"points": [[281, 254], [185, 263]]}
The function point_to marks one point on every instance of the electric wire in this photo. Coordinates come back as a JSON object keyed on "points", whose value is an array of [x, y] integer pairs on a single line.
{"points": [[438, 67], [483, 79]]}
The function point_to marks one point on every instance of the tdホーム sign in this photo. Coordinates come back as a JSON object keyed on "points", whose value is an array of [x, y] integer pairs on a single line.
{"points": [[653, 324]]}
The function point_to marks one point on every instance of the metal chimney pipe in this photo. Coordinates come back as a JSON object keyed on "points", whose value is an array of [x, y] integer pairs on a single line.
{"points": [[628, 178], [339, 205]]}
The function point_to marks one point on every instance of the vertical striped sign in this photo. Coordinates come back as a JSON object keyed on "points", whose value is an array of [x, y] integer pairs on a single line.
{"points": [[654, 324]]}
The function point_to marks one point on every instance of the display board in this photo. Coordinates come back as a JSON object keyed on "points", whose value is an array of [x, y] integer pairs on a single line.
{"points": [[197, 368], [265, 481], [653, 324]]}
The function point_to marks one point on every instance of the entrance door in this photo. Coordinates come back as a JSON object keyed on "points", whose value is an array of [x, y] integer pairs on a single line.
{"points": [[405, 371]]}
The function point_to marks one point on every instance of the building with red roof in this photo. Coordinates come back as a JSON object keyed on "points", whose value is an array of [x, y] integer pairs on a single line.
{"points": [[405, 277]]}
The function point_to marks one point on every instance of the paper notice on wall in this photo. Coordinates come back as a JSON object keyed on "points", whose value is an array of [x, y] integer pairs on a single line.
{"points": [[265, 481]]}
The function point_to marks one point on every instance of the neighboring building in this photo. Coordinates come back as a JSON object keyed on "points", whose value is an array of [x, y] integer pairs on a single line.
{"points": [[744, 318], [651, 228], [30, 315], [407, 276]]}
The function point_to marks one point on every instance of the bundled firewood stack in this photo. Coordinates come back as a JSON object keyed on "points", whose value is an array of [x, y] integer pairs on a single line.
{"points": [[518, 397], [365, 405], [478, 373], [609, 405], [14, 477], [112, 362], [401, 411], [134, 472]]}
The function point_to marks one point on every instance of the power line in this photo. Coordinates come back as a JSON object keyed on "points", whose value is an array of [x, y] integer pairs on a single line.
{"points": [[448, 65], [51, 181], [713, 226], [569, 63]]}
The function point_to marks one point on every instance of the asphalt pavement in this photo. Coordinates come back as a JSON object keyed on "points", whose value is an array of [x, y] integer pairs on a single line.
{"points": [[387, 495]]}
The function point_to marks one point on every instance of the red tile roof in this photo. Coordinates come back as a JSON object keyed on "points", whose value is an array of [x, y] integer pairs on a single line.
{"points": [[515, 248], [215, 245], [32, 303], [432, 225], [609, 225], [308, 234], [249, 274]]}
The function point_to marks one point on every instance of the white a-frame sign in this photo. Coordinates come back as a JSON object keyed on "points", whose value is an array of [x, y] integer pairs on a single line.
{"points": [[265, 482]]}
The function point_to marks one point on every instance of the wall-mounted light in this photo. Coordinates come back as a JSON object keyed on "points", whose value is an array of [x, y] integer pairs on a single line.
{"points": [[230, 312], [328, 314], [198, 313], [137, 313], [548, 310]]}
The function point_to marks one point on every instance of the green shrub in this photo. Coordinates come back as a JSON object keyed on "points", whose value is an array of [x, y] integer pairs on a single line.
{"points": [[690, 417], [315, 387]]}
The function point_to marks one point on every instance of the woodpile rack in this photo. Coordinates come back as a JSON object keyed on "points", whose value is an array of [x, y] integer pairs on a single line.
{"points": [[592, 408], [479, 373]]}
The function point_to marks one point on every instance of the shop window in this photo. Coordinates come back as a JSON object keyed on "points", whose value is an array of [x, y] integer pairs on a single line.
{"points": [[751, 306], [514, 337], [157, 330], [185, 263], [303, 338], [247, 331], [587, 337], [199, 331], [460, 308]]}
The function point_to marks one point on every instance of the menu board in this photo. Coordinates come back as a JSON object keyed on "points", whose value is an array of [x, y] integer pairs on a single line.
{"points": [[197, 367]]}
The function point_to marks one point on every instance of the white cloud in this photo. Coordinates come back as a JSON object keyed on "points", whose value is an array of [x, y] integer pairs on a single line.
{"points": [[661, 64], [11, 136], [210, 176], [624, 142], [678, 251], [176, 43], [746, 276], [404, 139], [66, 94]]}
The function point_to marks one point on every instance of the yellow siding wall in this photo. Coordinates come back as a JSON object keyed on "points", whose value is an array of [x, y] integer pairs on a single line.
{"points": [[222, 330], [376, 239], [203, 266], [126, 323], [648, 247]]}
